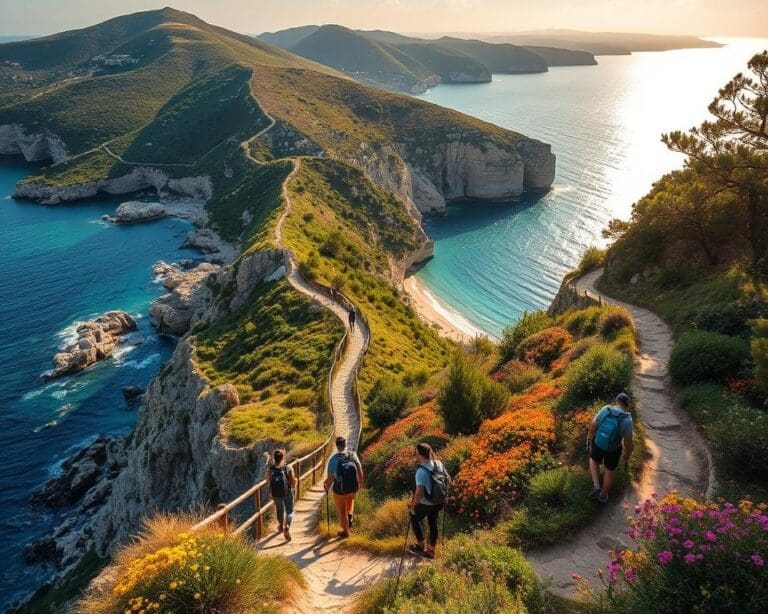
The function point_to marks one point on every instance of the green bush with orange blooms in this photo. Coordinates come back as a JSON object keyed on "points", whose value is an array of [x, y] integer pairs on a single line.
{"points": [[544, 347]]}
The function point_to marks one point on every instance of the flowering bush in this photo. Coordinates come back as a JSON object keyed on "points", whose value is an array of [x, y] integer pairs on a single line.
{"points": [[746, 389], [390, 460], [507, 451], [206, 571], [545, 346], [693, 556], [517, 375]]}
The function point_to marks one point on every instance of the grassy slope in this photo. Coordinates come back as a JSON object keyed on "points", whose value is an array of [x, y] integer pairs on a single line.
{"points": [[332, 197], [499, 58], [445, 62], [276, 349]]}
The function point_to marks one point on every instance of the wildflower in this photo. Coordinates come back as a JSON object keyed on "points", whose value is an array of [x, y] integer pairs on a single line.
{"points": [[173, 585], [665, 556], [197, 596], [689, 558], [688, 544], [710, 536], [757, 560], [630, 575]]}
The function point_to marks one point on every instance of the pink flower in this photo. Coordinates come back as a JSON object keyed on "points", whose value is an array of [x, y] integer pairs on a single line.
{"points": [[649, 534], [757, 560], [665, 556], [689, 558], [630, 575], [710, 536], [632, 533], [688, 544]]}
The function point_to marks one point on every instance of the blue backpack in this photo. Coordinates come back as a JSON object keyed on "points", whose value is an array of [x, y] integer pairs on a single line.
{"points": [[608, 435]]}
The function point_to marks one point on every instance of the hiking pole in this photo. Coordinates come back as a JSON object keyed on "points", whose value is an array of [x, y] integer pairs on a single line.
{"points": [[445, 510], [402, 556], [328, 512]]}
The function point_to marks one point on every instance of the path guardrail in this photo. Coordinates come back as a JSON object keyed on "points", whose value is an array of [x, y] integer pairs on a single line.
{"points": [[258, 493]]}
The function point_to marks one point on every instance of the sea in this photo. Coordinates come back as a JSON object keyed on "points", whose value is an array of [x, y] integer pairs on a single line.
{"points": [[60, 265], [494, 261]]}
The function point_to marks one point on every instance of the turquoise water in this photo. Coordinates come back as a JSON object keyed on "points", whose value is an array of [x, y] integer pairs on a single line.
{"points": [[61, 265], [492, 262]]}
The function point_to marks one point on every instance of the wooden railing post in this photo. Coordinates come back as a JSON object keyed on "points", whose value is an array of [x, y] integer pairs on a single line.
{"points": [[223, 522], [259, 522]]}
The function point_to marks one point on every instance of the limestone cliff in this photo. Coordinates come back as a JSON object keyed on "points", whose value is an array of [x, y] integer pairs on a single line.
{"points": [[568, 297], [138, 179], [34, 146]]}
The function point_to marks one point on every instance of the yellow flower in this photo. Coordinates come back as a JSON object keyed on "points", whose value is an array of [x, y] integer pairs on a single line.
{"points": [[173, 585], [207, 568], [162, 596], [237, 581], [197, 595]]}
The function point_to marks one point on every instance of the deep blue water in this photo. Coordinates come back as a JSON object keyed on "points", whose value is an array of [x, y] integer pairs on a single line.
{"points": [[604, 123], [60, 265]]}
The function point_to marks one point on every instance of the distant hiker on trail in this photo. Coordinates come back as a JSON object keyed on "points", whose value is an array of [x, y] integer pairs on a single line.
{"points": [[432, 485], [282, 481], [345, 474], [352, 317], [608, 428]]}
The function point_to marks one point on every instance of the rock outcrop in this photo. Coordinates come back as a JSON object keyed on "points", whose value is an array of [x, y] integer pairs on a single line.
{"points": [[568, 297], [172, 313], [138, 179], [204, 239], [34, 146], [133, 211], [95, 341]]}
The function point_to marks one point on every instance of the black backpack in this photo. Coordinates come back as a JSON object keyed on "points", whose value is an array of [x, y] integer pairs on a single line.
{"points": [[345, 478], [278, 481], [440, 483]]}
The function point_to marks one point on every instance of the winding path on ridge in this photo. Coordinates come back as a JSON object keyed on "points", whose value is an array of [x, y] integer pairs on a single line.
{"points": [[677, 456], [333, 574]]}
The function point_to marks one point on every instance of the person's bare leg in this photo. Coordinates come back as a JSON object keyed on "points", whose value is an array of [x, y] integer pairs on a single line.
{"points": [[594, 469], [607, 482]]}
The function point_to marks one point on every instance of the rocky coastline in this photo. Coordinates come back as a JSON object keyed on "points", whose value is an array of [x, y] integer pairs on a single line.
{"points": [[96, 340]]}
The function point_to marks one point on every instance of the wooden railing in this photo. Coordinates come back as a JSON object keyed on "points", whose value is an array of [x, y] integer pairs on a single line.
{"points": [[258, 493]]}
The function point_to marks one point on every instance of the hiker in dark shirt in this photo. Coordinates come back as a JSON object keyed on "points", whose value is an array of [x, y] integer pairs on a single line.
{"points": [[352, 317], [610, 426], [345, 475], [282, 481], [428, 500]]}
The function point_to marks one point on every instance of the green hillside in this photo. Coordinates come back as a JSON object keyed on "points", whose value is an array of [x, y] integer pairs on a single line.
{"points": [[403, 63], [499, 58], [363, 58]]}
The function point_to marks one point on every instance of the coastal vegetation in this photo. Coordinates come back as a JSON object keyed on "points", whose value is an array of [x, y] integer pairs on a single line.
{"points": [[170, 568], [694, 250]]}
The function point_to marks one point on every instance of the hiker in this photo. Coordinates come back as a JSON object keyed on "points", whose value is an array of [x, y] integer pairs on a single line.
{"points": [[352, 317], [282, 481], [432, 484], [608, 428], [345, 474]]}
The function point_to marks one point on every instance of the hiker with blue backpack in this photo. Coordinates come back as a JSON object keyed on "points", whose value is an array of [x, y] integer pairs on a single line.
{"points": [[282, 482], [345, 475], [610, 428], [432, 485]]}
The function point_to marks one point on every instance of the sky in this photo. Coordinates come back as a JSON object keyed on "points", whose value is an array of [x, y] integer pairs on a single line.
{"points": [[700, 17]]}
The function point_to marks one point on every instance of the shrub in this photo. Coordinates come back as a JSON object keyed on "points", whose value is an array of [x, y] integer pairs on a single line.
{"points": [[468, 396], [545, 346], [612, 320], [518, 375], [599, 374], [333, 245], [701, 356], [556, 506], [592, 259], [730, 318], [758, 347], [170, 569], [386, 402], [416, 378], [740, 440], [299, 398], [529, 324], [455, 453], [692, 557], [482, 346], [582, 322]]}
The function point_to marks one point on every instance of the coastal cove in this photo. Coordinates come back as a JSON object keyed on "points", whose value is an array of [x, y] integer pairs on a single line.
{"points": [[604, 122], [63, 265]]}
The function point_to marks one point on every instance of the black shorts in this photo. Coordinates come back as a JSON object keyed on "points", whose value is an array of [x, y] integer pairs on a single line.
{"points": [[609, 459]]}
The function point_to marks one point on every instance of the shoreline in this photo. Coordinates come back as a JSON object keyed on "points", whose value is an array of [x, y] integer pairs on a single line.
{"points": [[449, 322]]}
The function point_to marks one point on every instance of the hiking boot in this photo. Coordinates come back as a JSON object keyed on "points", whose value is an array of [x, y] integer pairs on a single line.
{"points": [[280, 528], [349, 517], [594, 492], [416, 549], [603, 498], [342, 534], [287, 534], [429, 554]]}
